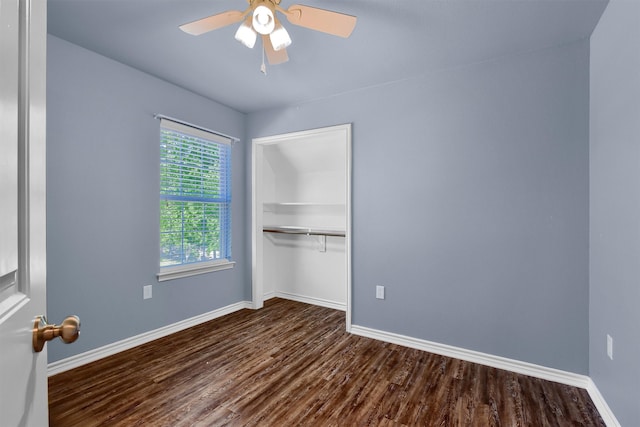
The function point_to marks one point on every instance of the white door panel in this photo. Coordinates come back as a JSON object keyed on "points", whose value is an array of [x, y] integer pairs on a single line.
{"points": [[8, 142], [23, 372]]}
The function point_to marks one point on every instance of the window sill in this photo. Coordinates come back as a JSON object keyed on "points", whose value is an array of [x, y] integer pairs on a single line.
{"points": [[180, 271]]}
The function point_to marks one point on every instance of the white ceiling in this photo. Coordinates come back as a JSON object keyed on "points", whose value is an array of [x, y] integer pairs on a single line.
{"points": [[393, 40]]}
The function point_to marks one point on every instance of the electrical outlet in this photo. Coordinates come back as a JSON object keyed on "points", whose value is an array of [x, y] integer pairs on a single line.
{"points": [[609, 346], [146, 292], [380, 292]]}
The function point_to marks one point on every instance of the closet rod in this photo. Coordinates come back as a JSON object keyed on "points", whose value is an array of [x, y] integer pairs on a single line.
{"points": [[303, 230]]}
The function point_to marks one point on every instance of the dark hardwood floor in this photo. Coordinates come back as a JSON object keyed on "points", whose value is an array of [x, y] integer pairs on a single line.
{"points": [[293, 364]]}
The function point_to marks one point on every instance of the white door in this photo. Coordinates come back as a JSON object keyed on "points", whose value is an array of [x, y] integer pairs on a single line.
{"points": [[23, 372]]}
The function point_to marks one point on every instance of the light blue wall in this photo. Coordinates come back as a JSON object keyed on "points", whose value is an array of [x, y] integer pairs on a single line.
{"points": [[470, 203], [102, 200], [615, 208]]}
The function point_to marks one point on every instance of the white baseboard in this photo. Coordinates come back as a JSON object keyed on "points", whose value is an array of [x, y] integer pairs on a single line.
{"points": [[307, 300], [525, 368], [111, 349], [605, 411], [512, 365]]}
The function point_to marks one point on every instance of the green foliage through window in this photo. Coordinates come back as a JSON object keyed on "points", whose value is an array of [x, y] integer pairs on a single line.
{"points": [[195, 198]]}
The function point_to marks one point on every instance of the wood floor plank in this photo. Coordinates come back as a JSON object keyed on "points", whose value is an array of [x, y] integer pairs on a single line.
{"points": [[293, 364]]}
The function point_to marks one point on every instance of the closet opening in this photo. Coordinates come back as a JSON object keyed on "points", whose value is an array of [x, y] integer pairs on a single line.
{"points": [[301, 218]]}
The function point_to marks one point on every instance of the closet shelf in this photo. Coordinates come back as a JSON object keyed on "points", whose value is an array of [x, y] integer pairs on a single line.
{"points": [[285, 229], [303, 204], [290, 206]]}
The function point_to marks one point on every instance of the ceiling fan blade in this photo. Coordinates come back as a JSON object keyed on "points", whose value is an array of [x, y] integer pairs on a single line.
{"points": [[212, 22], [274, 56], [337, 24]]}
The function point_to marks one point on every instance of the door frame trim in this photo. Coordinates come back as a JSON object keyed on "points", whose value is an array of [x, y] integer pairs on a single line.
{"points": [[257, 145]]}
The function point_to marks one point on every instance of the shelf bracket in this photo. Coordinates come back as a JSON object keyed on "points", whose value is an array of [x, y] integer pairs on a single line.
{"points": [[322, 243]]}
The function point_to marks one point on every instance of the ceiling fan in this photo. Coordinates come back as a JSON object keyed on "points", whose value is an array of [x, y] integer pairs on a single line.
{"points": [[260, 18]]}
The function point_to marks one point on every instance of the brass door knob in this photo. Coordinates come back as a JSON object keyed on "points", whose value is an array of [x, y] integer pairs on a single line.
{"points": [[68, 331]]}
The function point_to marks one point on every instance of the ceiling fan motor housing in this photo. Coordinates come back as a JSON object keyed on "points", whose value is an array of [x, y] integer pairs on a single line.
{"points": [[264, 16]]}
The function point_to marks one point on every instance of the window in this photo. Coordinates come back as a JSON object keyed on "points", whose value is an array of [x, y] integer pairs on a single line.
{"points": [[195, 201]]}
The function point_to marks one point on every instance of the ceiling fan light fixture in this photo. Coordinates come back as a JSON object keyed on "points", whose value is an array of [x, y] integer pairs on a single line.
{"points": [[246, 35], [280, 38], [263, 20], [260, 18]]}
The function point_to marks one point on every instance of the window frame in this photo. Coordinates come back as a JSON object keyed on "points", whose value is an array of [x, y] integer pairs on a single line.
{"points": [[199, 267]]}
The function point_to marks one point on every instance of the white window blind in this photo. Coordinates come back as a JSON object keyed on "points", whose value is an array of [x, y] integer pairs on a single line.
{"points": [[195, 195]]}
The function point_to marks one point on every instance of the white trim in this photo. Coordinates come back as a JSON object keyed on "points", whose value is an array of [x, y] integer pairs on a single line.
{"points": [[308, 300], [128, 343], [525, 368], [180, 271], [349, 308], [512, 365], [257, 293], [605, 412], [517, 366], [257, 207]]}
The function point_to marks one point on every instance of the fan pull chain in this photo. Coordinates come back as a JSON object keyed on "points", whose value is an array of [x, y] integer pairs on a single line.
{"points": [[263, 67]]}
